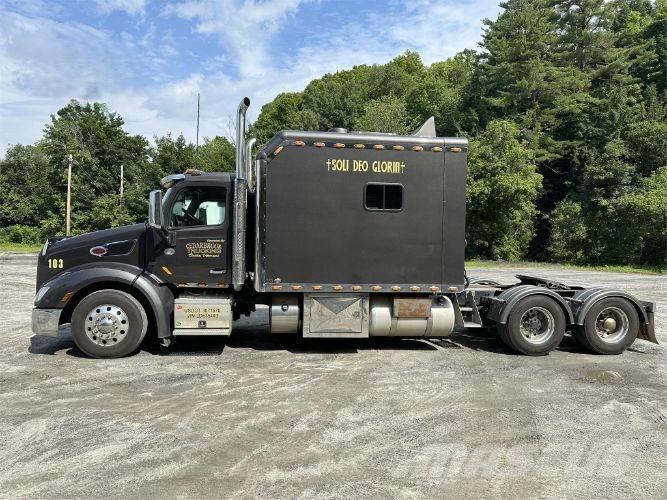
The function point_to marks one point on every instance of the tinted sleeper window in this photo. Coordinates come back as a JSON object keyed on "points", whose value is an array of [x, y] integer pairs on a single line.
{"points": [[383, 197]]}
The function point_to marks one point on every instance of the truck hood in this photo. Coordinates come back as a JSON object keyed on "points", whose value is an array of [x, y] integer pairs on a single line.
{"points": [[125, 244]]}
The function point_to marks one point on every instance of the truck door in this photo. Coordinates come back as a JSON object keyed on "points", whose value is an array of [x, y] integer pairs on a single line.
{"points": [[195, 249]]}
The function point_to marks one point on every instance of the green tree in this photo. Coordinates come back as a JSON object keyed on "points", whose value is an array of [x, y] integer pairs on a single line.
{"points": [[385, 114], [99, 146], [502, 188]]}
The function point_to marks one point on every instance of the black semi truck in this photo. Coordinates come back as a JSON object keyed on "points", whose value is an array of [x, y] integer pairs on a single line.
{"points": [[341, 234]]}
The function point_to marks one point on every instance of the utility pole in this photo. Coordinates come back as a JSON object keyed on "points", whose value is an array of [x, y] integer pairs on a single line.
{"points": [[69, 196], [197, 146], [121, 185]]}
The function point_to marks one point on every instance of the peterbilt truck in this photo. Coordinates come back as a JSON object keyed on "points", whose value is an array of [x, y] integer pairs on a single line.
{"points": [[341, 234]]}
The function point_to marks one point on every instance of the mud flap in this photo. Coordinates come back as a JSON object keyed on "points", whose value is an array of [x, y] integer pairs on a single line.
{"points": [[647, 330]]}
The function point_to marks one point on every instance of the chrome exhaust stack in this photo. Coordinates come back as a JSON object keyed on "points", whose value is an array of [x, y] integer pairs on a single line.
{"points": [[250, 178], [240, 198]]}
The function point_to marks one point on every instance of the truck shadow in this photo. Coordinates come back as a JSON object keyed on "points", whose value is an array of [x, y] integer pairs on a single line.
{"points": [[480, 340]]}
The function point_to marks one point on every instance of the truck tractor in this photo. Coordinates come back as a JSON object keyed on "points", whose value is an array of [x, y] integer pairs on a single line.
{"points": [[340, 234]]}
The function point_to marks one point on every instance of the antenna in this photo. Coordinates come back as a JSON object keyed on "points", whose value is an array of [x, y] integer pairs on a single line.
{"points": [[197, 146]]}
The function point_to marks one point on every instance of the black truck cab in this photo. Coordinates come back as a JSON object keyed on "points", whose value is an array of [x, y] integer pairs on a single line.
{"points": [[193, 248]]}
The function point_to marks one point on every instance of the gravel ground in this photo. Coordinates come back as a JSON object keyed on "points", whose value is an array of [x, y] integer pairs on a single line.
{"points": [[262, 416]]}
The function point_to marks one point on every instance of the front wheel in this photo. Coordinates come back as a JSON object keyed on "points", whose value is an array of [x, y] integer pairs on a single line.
{"points": [[109, 324], [535, 326]]}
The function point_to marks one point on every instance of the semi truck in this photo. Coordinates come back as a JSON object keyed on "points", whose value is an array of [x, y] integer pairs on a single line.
{"points": [[340, 234]]}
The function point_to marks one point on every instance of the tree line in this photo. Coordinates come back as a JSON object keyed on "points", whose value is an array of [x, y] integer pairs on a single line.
{"points": [[563, 103]]}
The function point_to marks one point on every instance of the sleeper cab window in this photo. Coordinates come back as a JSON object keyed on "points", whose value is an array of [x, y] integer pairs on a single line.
{"points": [[381, 196], [199, 206]]}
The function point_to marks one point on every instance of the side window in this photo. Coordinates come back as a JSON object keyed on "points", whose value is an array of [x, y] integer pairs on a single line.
{"points": [[383, 197], [199, 206]]}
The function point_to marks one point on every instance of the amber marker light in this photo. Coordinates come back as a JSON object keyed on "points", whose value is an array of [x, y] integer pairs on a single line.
{"points": [[434, 289], [339, 145], [356, 288], [277, 151], [296, 288], [398, 148], [337, 288], [299, 143], [317, 288], [417, 148], [378, 146], [455, 150], [319, 144], [376, 288], [359, 146], [414, 288], [276, 287], [436, 149]]}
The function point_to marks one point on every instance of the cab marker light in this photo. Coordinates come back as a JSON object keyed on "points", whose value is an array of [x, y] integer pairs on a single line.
{"points": [[277, 151], [398, 148], [376, 288], [317, 288], [319, 144], [296, 288], [356, 288], [339, 145], [417, 148], [434, 288], [359, 146], [453, 289], [395, 288], [414, 288], [202, 284], [299, 143], [378, 146], [436, 149], [337, 288], [276, 287], [455, 150]]}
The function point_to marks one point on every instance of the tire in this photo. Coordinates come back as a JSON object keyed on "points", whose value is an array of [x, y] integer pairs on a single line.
{"points": [[543, 323], [596, 337], [109, 324]]}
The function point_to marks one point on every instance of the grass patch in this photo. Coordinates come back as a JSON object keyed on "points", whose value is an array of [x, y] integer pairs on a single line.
{"points": [[19, 247], [489, 264]]}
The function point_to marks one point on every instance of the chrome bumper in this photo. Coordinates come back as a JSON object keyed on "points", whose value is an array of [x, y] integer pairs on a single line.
{"points": [[45, 321]]}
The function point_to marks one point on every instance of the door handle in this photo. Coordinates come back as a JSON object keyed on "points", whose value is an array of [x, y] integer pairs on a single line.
{"points": [[217, 271]]}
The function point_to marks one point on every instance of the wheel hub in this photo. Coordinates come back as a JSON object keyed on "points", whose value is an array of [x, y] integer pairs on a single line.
{"points": [[612, 324], [106, 325], [537, 325]]}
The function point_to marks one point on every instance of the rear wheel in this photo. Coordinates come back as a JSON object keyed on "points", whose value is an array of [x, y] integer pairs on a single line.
{"points": [[109, 324], [535, 326], [610, 326]]}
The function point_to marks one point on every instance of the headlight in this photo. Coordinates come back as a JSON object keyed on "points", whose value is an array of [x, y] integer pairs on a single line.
{"points": [[42, 291]]}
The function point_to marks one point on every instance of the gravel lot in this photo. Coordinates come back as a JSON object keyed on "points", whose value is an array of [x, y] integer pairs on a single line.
{"points": [[272, 417]]}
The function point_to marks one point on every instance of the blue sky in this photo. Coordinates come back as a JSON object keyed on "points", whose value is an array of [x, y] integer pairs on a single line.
{"points": [[147, 59]]}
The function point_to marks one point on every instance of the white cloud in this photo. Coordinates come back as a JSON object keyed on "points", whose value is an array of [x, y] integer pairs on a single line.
{"points": [[131, 7], [45, 62]]}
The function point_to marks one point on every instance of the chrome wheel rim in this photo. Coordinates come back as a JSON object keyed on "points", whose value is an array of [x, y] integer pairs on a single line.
{"points": [[107, 325], [612, 324], [537, 325]]}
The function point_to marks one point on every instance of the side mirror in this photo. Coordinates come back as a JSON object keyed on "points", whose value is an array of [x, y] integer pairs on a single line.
{"points": [[155, 209]]}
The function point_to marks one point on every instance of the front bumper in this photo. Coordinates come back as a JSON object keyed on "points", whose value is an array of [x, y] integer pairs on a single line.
{"points": [[45, 321]]}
